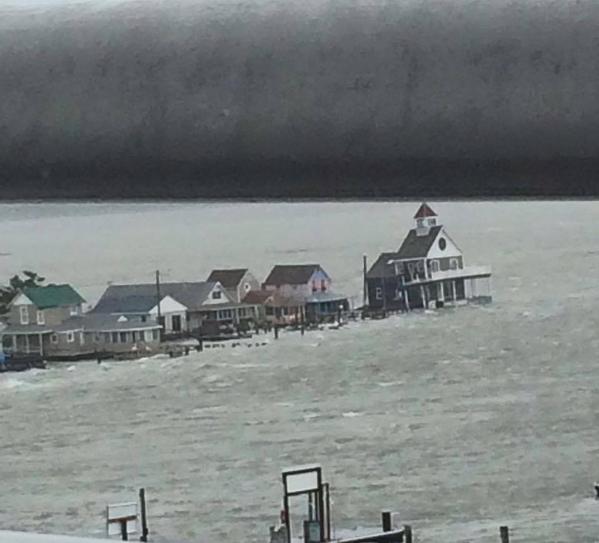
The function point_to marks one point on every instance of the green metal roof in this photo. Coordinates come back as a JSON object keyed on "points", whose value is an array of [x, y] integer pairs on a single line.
{"points": [[53, 296]]}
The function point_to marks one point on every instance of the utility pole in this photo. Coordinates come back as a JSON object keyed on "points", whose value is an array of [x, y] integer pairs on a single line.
{"points": [[158, 298], [365, 268]]}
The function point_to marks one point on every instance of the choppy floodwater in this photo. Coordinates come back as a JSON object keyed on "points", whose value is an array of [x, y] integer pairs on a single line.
{"points": [[461, 420]]}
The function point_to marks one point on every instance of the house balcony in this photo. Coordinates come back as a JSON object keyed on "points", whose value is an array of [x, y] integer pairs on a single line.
{"points": [[468, 272]]}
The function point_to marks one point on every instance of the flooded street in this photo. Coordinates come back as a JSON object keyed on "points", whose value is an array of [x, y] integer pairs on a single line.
{"points": [[461, 420]]}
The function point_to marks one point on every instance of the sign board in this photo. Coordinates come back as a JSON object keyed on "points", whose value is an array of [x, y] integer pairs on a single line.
{"points": [[302, 479], [118, 513]]}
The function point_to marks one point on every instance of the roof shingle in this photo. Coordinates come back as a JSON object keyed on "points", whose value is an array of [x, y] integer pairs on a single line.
{"points": [[291, 274], [53, 296], [228, 278]]}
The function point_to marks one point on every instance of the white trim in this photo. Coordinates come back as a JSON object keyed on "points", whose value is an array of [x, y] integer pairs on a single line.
{"points": [[40, 317]]}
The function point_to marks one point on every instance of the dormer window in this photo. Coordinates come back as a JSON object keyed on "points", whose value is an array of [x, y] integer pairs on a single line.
{"points": [[24, 314], [216, 295], [432, 221], [74, 310], [420, 223]]}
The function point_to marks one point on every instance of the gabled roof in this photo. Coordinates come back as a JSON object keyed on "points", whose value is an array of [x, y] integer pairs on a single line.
{"points": [[141, 298], [228, 278], [424, 211], [257, 296], [381, 268], [415, 246], [53, 296], [292, 274]]}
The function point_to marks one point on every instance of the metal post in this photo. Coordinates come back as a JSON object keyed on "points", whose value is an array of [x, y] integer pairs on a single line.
{"points": [[124, 530], [320, 506], [328, 511], [504, 533], [407, 532], [144, 520]]}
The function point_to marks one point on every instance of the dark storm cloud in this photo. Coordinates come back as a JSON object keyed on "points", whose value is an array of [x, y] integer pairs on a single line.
{"points": [[198, 90]]}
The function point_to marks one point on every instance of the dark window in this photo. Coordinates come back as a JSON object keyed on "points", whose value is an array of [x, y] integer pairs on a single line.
{"points": [[115, 337], [216, 295], [123, 336], [176, 319], [379, 293], [323, 285], [442, 244], [155, 335], [269, 310], [144, 318]]}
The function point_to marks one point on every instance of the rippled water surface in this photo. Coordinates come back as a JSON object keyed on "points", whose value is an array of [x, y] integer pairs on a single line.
{"points": [[461, 420]]}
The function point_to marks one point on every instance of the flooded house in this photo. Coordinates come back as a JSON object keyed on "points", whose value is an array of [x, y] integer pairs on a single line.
{"points": [[49, 322], [428, 270], [185, 308], [237, 282], [306, 286]]}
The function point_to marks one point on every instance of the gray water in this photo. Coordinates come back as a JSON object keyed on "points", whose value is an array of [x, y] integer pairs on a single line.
{"points": [[462, 420]]}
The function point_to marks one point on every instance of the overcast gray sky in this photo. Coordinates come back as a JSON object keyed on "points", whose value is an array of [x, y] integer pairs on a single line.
{"points": [[115, 80]]}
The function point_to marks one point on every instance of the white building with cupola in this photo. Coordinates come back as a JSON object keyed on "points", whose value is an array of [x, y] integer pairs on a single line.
{"points": [[428, 270]]}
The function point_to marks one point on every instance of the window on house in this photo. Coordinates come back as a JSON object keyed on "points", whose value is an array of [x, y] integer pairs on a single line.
{"points": [[216, 295], [434, 266], [247, 287], [123, 337], [155, 335], [379, 293], [74, 310], [269, 310], [81, 338], [419, 223], [54, 339], [24, 314], [453, 264], [144, 318], [40, 317], [314, 288], [148, 335], [115, 337], [323, 285], [134, 336], [70, 337], [176, 323]]}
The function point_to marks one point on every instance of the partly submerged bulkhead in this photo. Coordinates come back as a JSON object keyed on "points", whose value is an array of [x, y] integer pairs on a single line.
{"points": [[427, 271]]}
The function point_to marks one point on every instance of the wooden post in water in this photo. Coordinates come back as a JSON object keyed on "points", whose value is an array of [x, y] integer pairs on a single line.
{"points": [[276, 331], [124, 536], [364, 272], [143, 514], [407, 532], [386, 519], [504, 533]]}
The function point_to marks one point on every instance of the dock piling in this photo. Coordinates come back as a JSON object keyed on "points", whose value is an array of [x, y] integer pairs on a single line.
{"points": [[386, 520], [504, 533], [144, 519], [407, 532]]}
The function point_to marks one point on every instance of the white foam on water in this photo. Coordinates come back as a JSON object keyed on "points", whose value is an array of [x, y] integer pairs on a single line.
{"points": [[352, 414], [390, 384]]}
